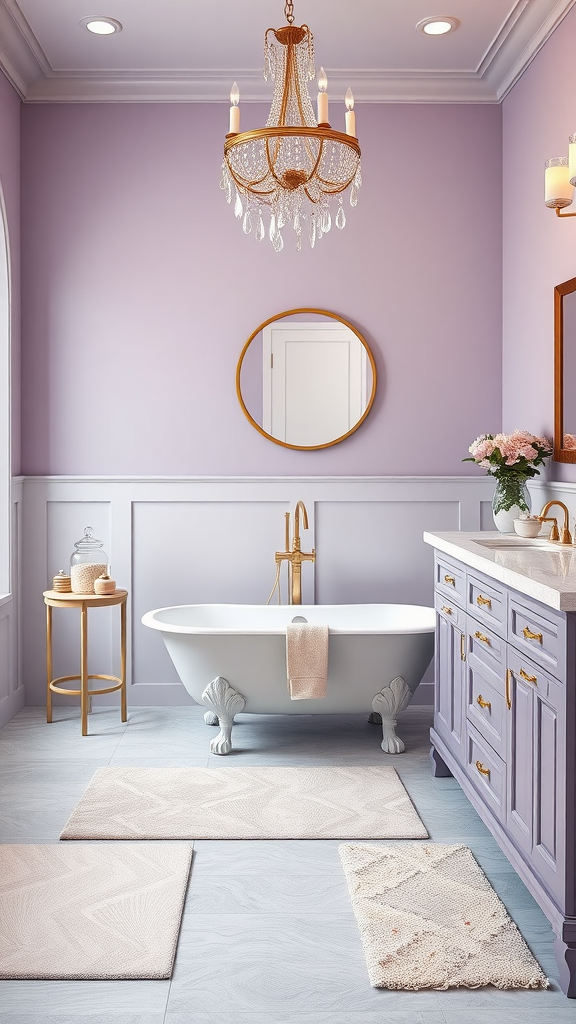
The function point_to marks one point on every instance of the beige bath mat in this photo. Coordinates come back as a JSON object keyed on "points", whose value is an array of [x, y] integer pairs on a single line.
{"points": [[429, 918], [98, 911], [245, 803]]}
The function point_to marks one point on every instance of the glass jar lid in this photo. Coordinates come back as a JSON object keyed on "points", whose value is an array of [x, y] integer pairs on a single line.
{"points": [[88, 542]]}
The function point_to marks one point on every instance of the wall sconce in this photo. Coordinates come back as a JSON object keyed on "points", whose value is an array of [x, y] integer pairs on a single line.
{"points": [[560, 179]]}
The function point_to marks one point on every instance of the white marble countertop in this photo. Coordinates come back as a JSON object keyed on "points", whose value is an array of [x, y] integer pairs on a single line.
{"points": [[537, 568]]}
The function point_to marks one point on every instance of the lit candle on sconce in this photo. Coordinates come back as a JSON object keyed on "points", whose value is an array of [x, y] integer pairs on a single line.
{"points": [[234, 109], [322, 98], [350, 115], [558, 192]]}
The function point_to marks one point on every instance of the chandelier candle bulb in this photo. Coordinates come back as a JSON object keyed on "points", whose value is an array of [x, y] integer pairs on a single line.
{"points": [[558, 192], [322, 98], [234, 110], [350, 115]]}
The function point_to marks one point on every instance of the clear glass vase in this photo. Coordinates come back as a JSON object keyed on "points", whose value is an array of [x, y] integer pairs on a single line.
{"points": [[511, 500]]}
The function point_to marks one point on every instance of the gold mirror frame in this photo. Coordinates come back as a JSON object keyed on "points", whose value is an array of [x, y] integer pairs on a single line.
{"points": [[281, 316], [561, 454]]}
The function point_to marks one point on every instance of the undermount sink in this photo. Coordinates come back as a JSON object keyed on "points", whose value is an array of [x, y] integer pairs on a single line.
{"points": [[517, 543]]}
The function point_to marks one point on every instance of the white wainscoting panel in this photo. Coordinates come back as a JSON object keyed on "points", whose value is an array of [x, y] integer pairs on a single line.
{"points": [[203, 540], [12, 692], [197, 552]]}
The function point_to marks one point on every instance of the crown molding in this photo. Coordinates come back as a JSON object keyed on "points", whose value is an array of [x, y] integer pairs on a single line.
{"points": [[518, 49], [530, 24]]}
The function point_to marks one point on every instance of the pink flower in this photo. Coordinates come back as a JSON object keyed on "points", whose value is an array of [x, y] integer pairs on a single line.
{"points": [[569, 441]]}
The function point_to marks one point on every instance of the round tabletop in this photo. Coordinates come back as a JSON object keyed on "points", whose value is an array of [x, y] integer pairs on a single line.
{"points": [[62, 600]]}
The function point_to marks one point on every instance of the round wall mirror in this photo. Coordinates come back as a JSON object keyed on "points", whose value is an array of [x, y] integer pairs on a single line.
{"points": [[306, 379]]}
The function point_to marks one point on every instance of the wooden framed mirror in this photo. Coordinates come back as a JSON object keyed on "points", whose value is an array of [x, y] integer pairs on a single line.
{"points": [[306, 379], [565, 371]]}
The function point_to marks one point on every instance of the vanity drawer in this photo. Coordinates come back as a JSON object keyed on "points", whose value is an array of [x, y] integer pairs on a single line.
{"points": [[450, 611], [487, 649], [450, 580], [487, 771], [538, 632], [486, 707], [487, 602]]}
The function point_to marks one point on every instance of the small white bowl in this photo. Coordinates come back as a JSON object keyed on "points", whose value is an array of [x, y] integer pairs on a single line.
{"points": [[527, 527]]}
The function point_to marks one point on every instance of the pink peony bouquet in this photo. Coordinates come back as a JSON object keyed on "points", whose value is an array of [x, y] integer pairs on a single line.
{"points": [[515, 454]]}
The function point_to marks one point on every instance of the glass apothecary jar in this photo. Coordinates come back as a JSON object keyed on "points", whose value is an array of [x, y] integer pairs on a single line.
{"points": [[88, 561]]}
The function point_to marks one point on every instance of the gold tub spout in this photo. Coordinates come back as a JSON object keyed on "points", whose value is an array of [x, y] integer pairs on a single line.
{"points": [[295, 556], [564, 536]]}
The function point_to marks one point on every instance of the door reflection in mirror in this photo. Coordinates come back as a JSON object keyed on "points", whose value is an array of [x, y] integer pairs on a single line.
{"points": [[306, 379]]}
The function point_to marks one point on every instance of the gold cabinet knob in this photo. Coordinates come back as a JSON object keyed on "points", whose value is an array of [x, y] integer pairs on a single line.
{"points": [[529, 679], [529, 635], [483, 703], [482, 769], [450, 580], [483, 600], [446, 609], [480, 636]]}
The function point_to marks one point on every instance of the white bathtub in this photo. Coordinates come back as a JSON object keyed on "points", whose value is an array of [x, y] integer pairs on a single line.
{"points": [[232, 658]]}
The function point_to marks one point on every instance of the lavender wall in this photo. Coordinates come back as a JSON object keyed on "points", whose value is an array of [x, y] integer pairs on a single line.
{"points": [[140, 290], [10, 181], [539, 251]]}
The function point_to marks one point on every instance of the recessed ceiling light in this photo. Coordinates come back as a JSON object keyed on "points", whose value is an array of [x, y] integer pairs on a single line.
{"points": [[438, 26], [101, 26]]}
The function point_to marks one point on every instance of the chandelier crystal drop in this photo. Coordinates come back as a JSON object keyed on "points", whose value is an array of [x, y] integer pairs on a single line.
{"points": [[297, 166]]}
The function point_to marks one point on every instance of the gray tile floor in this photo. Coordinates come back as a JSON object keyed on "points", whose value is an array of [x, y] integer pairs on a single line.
{"points": [[268, 935]]}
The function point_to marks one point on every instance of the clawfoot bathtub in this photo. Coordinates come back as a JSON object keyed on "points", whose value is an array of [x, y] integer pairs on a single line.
{"points": [[232, 658]]}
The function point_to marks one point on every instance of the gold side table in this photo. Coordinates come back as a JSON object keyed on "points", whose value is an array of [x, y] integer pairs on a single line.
{"points": [[54, 599]]}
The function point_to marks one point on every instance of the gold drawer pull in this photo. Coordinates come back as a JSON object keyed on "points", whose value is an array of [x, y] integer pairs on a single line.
{"points": [[462, 647], [529, 679], [508, 678], [483, 703], [446, 609], [480, 636], [532, 636], [483, 600], [450, 579], [482, 769]]}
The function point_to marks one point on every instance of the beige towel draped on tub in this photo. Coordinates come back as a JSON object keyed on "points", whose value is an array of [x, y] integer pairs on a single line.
{"points": [[306, 660]]}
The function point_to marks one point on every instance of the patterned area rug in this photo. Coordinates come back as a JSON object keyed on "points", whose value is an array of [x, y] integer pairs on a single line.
{"points": [[245, 803], [429, 918], [97, 911]]}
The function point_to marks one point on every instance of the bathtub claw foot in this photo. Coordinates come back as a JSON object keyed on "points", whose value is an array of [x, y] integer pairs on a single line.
{"points": [[388, 704], [223, 702]]}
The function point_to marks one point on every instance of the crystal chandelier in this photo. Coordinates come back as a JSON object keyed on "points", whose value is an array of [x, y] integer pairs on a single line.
{"points": [[296, 167]]}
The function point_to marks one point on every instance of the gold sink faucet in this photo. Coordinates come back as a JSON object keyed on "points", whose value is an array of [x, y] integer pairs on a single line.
{"points": [[295, 556], [564, 536]]}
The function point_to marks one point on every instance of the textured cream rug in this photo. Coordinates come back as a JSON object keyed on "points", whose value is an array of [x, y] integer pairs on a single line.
{"points": [[245, 803], [98, 911], [429, 918]]}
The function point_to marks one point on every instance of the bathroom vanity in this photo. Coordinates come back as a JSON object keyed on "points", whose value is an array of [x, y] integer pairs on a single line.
{"points": [[505, 706]]}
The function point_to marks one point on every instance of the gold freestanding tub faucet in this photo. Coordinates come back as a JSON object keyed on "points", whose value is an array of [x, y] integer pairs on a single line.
{"points": [[564, 536], [295, 556]]}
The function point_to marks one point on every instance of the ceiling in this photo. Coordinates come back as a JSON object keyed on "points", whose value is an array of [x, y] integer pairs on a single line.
{"points": [[192, 50]]}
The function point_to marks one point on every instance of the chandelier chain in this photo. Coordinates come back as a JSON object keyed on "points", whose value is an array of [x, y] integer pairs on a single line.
{"points": [[289, 12]]}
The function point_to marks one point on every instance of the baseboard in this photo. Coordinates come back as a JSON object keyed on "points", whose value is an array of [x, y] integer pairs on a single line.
{"points": [[11, 705]]}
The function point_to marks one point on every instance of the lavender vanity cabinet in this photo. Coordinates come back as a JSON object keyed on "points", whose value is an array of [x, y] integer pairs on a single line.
{"points": [[505, 727]]}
